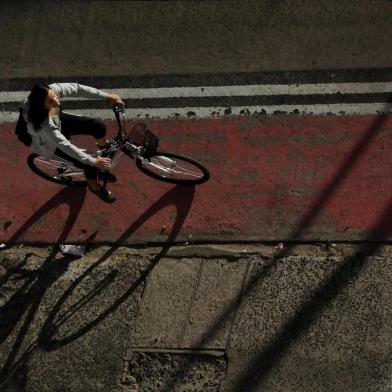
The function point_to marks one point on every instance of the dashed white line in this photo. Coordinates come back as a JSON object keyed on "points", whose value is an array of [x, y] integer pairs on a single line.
{"points": [[211, 112]]}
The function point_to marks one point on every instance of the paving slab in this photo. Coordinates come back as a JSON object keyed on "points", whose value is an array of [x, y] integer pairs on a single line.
{"points": [[313, 324], [314, 317], [183, 301], [65, 322]]}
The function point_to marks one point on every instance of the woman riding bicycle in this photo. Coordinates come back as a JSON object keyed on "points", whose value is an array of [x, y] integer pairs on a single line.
{"points": [[50, 129]]}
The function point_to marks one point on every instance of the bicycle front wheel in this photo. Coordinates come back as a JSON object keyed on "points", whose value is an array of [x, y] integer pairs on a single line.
{"points": [[173, 168], [56, 170]]}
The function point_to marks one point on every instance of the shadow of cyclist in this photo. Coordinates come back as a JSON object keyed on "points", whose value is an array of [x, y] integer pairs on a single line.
{"points": [[179, 197], [27, 298], [72, 197]]}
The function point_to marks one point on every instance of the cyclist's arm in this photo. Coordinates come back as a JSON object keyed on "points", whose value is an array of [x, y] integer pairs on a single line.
{"points": [[68, 148], [77, 90]]}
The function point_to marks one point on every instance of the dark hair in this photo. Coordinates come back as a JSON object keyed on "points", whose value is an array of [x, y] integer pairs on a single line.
{"points": [[37, 113]]}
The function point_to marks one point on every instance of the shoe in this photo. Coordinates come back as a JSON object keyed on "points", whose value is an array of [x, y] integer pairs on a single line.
{"points": [[104, 194]]}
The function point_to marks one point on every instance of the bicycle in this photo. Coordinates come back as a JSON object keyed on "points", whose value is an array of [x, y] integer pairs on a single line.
{"points": [[139, 144]]}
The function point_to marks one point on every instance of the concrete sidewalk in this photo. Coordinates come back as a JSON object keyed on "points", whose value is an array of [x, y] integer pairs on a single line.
{"points": [[206, 318]]}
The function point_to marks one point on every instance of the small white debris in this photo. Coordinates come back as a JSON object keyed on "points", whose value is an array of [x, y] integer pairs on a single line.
{"points": [[2, 245], [76, 250]]}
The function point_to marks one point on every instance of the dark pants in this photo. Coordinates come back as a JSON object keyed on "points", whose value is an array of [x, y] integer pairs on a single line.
{"points": [[80, 125]]}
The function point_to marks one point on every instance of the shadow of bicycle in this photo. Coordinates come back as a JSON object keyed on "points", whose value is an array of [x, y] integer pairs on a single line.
{"points": [[25, 302]]}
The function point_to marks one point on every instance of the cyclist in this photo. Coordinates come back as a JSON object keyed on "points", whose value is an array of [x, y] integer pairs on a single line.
{"points": [[51, 129]]}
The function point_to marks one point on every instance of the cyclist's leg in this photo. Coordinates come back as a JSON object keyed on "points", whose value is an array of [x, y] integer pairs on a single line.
{"points": [[91, 173], [72, 124], [81, 125]]}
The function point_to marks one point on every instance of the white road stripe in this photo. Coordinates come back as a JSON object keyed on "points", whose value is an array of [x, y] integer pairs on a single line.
{"points": [[252, 90], [208, 112], [230, 91]]}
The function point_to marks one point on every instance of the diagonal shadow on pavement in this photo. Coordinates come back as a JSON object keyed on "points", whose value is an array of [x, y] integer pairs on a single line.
{"points": [[267, 360], [313, 307]]}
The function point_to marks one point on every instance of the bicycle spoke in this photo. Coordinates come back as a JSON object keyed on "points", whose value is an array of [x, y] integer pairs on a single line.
{"points": [[171, 168], [49, 162], [59, 170]]}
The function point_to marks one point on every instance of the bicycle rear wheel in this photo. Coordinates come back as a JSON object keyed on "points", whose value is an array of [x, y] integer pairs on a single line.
{"points": [[173, 168], [56, 170]]}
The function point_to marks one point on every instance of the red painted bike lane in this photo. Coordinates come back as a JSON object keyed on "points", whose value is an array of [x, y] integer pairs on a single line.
{"points": [[272, 178]]}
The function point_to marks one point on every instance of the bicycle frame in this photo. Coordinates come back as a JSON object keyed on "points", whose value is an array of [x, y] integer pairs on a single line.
{"points": [[121, 142], [115, 151], [140, 144]]}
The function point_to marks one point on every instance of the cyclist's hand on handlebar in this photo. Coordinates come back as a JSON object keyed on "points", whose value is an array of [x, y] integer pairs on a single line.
{"points": [[111, 99], [103, 163]]}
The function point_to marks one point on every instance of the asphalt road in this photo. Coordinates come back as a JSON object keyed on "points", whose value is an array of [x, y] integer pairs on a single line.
{"points": [[138, 38]]}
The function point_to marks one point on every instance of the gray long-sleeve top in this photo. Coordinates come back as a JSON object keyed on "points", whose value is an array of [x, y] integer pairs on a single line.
{"points": [[49, 137]]}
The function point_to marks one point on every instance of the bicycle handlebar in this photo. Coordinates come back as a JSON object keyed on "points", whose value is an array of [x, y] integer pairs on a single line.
{"points": [[117, 108]]}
